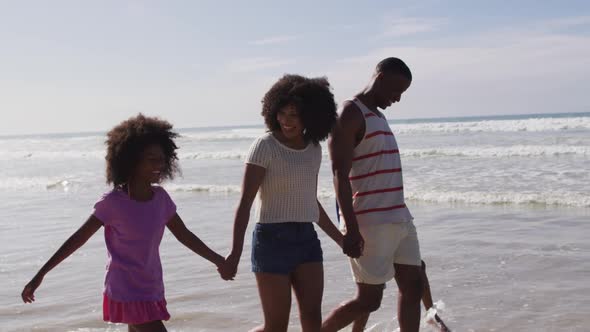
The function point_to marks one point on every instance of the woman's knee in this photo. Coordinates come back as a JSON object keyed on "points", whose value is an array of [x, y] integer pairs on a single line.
{"points": [[312, 316], [274, 325]]}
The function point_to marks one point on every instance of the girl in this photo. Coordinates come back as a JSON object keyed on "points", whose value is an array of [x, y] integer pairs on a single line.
{"points": [[140, 152], [282, 167]]}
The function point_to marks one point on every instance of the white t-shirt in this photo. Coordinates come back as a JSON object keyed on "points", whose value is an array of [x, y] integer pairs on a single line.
{"points": [[288, 192]]}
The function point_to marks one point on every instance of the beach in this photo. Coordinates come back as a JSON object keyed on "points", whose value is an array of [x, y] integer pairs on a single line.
{"points": [[501, 205]]}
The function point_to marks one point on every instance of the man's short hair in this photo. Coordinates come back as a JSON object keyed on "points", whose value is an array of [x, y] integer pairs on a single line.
{"points": [[394, 66]]}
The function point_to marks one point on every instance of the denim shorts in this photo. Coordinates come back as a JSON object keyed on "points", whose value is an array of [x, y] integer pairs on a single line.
{"points": [[281, 247]]}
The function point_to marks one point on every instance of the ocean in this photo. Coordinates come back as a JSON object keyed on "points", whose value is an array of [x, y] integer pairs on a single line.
{"points": [[501, 204]]}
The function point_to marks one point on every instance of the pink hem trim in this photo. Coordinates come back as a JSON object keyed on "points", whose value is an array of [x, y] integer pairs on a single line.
{"points": [[136, 312]]}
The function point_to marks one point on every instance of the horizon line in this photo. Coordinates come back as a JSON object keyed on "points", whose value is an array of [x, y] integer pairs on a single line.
{"points": [[451, 118]]}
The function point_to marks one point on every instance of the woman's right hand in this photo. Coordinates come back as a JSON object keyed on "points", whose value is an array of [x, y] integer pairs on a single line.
{"points": [[28, 294]]}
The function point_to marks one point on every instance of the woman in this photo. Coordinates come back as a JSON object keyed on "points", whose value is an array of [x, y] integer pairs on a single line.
{"points": [[282, 167]]}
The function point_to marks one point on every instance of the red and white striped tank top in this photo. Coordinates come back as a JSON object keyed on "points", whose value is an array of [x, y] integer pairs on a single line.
{"points": [[376, 174]]}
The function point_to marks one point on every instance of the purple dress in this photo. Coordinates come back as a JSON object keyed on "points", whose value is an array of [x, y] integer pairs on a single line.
{"points": [[133, 230]]}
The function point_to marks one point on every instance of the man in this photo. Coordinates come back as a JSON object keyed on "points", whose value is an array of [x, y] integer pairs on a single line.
{"points": [[380, 236]]}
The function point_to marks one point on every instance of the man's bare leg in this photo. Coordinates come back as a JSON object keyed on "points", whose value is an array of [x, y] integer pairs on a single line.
{"points": [[367, 300]]}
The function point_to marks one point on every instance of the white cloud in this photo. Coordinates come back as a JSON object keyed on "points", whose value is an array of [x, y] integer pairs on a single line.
{"points": [[258, 63], [535, 67], [273, 40], [542, 73], [569, 21], [399, 27]]}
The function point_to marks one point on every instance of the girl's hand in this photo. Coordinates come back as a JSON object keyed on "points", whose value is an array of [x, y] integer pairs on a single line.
{"points": [[231, 266], [28, 294], [72, 244], [224, 271]]}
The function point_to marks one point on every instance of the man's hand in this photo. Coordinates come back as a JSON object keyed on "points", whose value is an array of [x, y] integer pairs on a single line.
{"points": [[353, 244]]}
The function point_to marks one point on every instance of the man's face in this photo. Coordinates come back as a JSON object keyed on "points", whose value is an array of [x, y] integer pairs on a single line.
{"points": [[390, 88]]}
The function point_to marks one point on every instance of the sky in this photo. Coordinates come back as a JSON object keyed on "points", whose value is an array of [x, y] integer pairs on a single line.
{"points": [[77, 66]]}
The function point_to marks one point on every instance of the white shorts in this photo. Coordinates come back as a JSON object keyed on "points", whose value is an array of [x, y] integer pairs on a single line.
{"points": [[385, 244]]}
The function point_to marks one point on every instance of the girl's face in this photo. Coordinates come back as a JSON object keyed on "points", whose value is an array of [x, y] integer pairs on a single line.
{"points": [[290, 122], [152, 162]]}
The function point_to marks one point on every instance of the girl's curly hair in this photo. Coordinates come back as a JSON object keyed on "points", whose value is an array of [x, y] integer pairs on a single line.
{"points": [[126, 142], [313, 100]]}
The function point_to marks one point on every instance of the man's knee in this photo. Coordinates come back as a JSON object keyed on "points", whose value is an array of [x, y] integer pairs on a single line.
{"points": [[370, 302], [368, 297], [372, 305], [416, 288], [410, 283], [367, 304]]}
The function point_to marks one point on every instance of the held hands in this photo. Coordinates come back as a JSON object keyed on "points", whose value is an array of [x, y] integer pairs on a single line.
{"points": [[229, 268], [353, 244], [28, 293]]}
